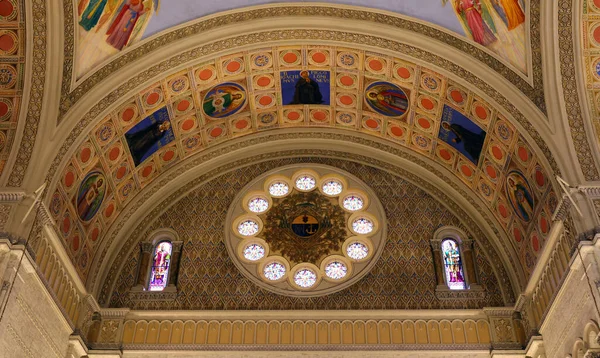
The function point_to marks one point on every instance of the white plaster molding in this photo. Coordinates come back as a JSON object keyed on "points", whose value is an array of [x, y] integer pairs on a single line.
{"points": [[11, 196], [556, 232]]}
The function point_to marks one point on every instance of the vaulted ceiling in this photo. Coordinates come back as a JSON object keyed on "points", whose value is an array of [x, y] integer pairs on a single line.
{"points": [[520, 104]]}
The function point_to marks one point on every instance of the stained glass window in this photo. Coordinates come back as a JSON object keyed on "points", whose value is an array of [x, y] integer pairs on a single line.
{"points": [[274, 271], [279, 188], [160, 266], [353, 202], [455, 277], [258, 205], [357, 251], [332, 187], [362, 226], [336, 270], [248, 228], [305, 278], [254, 252], [306, 182]]}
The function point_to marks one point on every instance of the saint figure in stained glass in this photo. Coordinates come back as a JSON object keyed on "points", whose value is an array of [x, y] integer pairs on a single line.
{"points": [[453, 265], [160, 266]]}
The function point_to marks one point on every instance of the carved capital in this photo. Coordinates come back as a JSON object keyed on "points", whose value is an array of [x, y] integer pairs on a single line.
{"points": [[177, 246], [146, 247]]}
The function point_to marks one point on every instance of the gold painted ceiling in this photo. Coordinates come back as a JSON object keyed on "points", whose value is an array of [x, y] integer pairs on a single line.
{"points": [[76, 133]]}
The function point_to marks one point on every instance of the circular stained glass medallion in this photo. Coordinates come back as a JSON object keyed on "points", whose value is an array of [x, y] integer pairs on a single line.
{"points": [[306, 182], [248, 228], [336, 270], [254, 252], [353, 202], [278, 189], [258, 205], [332, 187], [362, 226], [274, 271], [305, 278], [357, 251]]}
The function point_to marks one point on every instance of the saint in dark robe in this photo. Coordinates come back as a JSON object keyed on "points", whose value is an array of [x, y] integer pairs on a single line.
{"points": [[472, 142], [142, 141], [307, 91]]}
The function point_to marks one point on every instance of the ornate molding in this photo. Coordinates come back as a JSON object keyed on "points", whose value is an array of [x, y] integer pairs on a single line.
{"points": [[11, 196]]}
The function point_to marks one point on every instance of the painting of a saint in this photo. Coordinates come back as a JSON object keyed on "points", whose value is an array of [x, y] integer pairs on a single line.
{"points": [[387, 99], [462, 134], [513, 14], [477, 20], [95, 14], [305, 87], [520, 195], [453, 265], [125, 23], [149, 135], [224, 100], [160, 267], [90, 195]]}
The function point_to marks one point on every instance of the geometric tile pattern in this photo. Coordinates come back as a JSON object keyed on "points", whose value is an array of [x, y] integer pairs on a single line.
{"points": [[259, 72], [402, 278]]}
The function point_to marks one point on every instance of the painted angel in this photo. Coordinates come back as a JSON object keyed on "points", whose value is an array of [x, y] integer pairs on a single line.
{"points": [[130, 22], [477, 21]]}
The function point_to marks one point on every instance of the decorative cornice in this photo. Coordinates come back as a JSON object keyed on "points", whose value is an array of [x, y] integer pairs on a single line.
{"points": [[307, 347], [114, 313]]}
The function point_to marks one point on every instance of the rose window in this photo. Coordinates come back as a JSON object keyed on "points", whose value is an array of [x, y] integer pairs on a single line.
{"points": [[305, 231]]}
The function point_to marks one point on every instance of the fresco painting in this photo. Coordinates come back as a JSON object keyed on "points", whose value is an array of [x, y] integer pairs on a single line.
{"points": [[462, 134], [106, 27], [387, 99], [224, 100], [148, 136], [520, 195], [305, 87], [90, 195]]}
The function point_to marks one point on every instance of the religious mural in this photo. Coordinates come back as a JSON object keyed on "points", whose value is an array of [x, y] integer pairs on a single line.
{"points": [[455, 278], [161, 261], [462, 134], [200, 106], [387, 99], [520, 195], [148, 136], [106, 27], [305, 87], [90, 195], [224, 100]]}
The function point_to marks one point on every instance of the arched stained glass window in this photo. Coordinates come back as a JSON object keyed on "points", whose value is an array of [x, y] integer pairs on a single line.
{"points": [[161, 262], [455, 277]]}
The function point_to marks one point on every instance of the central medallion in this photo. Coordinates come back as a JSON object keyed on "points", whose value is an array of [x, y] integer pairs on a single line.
{"points": [[304, 227], [305, 231]]}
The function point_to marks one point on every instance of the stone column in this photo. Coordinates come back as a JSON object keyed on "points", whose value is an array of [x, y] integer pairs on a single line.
{"points": [[144, 267], [175, 256], [438, 263], [466, 249]]}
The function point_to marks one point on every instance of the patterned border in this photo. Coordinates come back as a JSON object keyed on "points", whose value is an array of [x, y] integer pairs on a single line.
{"points": [[535, 93], [117, 227], [307, 347]]}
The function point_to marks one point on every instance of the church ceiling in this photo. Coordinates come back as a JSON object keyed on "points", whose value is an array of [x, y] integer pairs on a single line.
{"points": [[402, 278], [251, 92], [12, 64]]}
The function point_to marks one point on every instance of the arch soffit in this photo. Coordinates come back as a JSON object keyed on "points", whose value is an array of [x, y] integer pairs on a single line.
{"points": [[441, 58], [72, 149], [422, 172]]}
